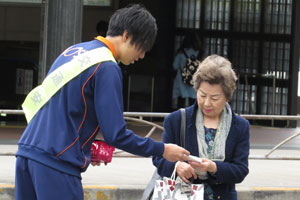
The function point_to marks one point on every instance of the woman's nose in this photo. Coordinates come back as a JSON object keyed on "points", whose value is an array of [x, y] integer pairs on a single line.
{"points": [[207, 101]]}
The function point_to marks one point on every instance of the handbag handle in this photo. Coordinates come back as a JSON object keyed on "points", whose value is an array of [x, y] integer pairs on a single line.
{"points": [[173, 176]]}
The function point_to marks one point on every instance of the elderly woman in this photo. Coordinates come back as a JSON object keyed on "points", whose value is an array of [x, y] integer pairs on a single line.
{"points": [[213, 132]]}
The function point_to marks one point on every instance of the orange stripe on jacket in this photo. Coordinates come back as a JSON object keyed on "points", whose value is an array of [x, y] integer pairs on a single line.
{"points": [[85, 110], [68, 147], [90, 137], [82, 93]]}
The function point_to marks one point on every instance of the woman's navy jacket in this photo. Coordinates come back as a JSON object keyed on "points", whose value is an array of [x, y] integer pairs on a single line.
{"points": [[229, 172]]}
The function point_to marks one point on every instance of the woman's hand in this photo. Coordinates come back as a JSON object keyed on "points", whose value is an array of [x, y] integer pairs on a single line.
{"points": [[205, 166], [185, 171]]}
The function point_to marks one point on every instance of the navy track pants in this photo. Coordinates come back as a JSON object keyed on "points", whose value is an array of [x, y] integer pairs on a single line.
{"points": [[37, 181]]}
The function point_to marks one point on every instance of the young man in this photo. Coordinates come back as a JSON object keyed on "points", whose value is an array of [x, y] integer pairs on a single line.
{"points": [[82, 94]]}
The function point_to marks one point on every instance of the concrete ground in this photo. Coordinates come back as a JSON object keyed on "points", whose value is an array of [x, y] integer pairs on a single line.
{"points": [[127, 175]]}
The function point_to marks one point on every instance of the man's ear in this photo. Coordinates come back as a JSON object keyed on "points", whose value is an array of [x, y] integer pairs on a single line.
{"points": [[125, 36]]}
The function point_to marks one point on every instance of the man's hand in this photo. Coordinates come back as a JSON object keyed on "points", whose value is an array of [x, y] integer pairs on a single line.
{"points": [[95, 164], [174, 153]]}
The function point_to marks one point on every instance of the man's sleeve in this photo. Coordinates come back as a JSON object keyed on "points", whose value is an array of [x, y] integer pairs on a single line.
{"points": [[109, 110]]}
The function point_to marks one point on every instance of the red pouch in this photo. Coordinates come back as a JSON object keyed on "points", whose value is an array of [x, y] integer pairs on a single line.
{"points": [[101, 152]]}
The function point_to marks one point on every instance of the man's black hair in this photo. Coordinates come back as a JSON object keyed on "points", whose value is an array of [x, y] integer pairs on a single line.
{"points": [[139, 24]]}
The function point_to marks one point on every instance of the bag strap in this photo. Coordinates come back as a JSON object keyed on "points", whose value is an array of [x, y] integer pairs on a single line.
{"points": [[182, 127], [185, 53]]}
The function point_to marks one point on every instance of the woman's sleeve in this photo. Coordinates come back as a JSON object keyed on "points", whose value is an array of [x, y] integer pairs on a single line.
{"points": [[236, 169]]}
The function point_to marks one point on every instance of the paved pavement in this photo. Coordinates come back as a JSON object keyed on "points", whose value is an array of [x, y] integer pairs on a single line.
{"points": [[127, 175]]}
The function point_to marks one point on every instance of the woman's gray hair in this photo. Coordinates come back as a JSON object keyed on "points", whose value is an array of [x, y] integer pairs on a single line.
{"points": [[216, 69]]}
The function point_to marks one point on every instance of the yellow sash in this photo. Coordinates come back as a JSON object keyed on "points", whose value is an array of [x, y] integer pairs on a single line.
{"points": [[40, 95]]}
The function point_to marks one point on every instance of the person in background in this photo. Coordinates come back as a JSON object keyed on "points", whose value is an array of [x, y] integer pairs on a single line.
{"points": [[101, 28], [213, 132], [191, 46], [55, 147]]}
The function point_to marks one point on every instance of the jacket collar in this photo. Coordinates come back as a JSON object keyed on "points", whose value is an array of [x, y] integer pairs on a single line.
{"points": [[191, 138], [108, 44]]}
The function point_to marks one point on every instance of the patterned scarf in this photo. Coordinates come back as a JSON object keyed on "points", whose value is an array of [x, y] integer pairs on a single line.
{"points": [[218, 151]]}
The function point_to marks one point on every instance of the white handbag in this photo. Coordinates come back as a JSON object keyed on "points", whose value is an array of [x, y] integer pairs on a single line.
{"points": [[171, 189]]}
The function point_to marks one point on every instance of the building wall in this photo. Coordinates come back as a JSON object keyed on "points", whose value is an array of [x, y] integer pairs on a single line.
{"points": [[16, 24], [228, 32], [20, 34], [260, 38], [91, 16]]}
